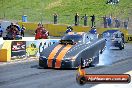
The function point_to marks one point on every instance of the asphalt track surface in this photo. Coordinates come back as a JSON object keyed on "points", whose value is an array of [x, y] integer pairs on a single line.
{"points": [[27, 74]]}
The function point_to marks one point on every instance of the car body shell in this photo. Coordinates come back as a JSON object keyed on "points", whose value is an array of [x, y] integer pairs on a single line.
{"points": [[118, 40], [70, 55]]}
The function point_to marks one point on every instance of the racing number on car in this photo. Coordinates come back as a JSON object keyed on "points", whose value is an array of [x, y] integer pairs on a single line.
{"points": [[129, 39], [87, 62]]}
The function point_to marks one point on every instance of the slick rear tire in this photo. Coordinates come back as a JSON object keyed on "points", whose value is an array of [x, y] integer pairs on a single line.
{"points": [[123, 46], [95, 61], [101, 51], [39, 67], [120, 46]]}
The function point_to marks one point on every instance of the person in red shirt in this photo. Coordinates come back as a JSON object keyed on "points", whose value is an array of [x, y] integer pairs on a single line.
{"points": [[41, 32], [38, 32], [45, 33]]}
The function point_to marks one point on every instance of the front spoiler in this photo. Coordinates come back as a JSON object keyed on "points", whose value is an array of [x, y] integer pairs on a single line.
{"points": [[64, 64], [115, 44]]}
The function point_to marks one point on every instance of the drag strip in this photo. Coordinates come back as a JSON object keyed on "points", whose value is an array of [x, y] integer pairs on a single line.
{"points": [[27, 74], [43, 78]]}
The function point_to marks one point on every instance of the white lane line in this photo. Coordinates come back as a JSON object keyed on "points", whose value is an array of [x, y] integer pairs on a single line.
{"points": [[19, 61], [23, 39], [1, 41], [129, 85], [28, 38]]}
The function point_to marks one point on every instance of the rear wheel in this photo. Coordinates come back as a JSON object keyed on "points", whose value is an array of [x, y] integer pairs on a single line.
{"points": [[95, 61], [101, 51], [120, 46], [84, 63]]}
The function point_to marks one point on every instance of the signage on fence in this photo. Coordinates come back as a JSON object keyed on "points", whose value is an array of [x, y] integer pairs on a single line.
{"points": [[18, 49], [129, 38], [33, 48], [23, 49]]}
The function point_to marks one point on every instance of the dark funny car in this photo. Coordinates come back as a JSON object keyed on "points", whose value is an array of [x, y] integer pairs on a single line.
{"points": [[72, 50]]}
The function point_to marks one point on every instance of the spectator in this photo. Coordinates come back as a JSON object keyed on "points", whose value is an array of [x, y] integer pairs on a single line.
{"points": [[69, 29], [85, 20], [15, 32], [1, 31], [93, 30], [38, 32], [125, 24], [23, 30], [45, 33], [11, 26], [112, 2], [41, 32], [18, 27], [93, 20], [105, 21], [109, 20], [117, 23], [76, 19], [55, 18]]}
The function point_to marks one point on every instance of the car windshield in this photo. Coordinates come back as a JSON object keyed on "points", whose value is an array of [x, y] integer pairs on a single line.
{"points": [[116, 35], [75, 37]]}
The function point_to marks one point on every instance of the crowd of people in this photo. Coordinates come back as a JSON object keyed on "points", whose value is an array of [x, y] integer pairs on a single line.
{"points": [[114, 22], [77, 19], [14, 31], [108, 21], [85, 18]]}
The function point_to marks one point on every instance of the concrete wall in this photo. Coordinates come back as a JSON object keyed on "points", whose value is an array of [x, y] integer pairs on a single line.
{"points": [[129, 38], [55, 29], [5, 52]]}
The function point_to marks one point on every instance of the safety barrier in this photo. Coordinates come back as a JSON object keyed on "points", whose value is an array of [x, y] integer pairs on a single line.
{"points": [[5, 52], [59, 29], [19, 49], [32, 48], [129, 38], [55, 29]]}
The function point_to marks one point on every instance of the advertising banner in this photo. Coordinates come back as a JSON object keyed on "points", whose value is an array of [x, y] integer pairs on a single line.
{"points": [[27, 49], [18, 49], [33, 48]]}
